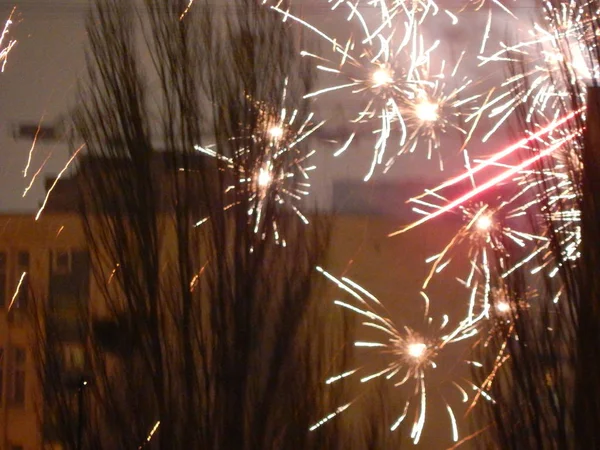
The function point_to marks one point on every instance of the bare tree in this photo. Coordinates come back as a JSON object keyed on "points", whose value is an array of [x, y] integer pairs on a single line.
{"points": [[547, 395], [199, 336]]}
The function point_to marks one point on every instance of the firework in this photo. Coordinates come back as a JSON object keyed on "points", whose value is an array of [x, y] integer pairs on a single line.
{"points": [[6, 47], [434, 109], [280, 176], [402, 355], [555, 204], [387, 69], [563, 40], [486, 225]]}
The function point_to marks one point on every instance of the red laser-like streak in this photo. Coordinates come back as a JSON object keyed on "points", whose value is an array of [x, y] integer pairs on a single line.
{"points": [[492, 182], [503, 153]]}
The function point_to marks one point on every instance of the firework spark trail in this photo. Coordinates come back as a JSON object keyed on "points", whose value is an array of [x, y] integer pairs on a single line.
{"points": [[389, 72], [479, 4], [5, 49], [435, 109], [150, 434], [30, 154], [504, 153], [558, 45], [186, 10], [410, 354], [485, 186], [71, 159], [554, 201], [281, 176], [35, 175], [17, 289]]}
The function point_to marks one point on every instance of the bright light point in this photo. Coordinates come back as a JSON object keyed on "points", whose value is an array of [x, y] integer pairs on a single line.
{"points": [[484, 223], [276, 132], [417, 350], [264, 178], [382, 76], [427, 111], [503, 307]]}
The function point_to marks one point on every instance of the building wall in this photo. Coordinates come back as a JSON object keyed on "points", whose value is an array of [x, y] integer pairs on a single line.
{"points": [[392, 268], [20, 234]]}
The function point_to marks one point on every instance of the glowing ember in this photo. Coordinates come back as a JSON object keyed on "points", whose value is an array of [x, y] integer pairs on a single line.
{"points": [[382, 76], [427, 111], [484, 223], [264, 178], [276, 132], [503, 307], [416, 349]]}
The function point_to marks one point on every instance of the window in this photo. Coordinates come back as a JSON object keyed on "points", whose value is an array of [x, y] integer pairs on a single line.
{"points": [[2, 278], [61, 262], [22, 274], [1, 373], [17, 385]]}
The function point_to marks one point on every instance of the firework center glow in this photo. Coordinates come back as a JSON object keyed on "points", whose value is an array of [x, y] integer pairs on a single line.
{"points": [[276, 132], [417, 349], [503, 307], [264, 178], [484, 223], [427, 111], [382, 76]]}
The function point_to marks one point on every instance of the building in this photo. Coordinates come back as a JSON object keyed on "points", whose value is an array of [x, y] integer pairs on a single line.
{"points": [[51, 252]]}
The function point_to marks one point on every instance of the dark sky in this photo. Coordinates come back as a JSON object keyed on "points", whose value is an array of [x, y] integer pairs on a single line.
{"points": [[40, 80]]}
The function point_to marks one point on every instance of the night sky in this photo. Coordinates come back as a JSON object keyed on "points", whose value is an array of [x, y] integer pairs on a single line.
{"points": [[40, 81]]}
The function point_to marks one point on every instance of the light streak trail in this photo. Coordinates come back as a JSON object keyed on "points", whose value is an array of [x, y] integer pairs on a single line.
{"points": [[16, 294], [483, 187], [35, 175], [409, 353], [389, 72], [504, 153], [5, 49], [30, 154], [150, 435], [71, 159]]}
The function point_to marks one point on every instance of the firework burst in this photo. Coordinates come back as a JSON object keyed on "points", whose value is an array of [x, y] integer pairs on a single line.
{"points": [[279, 177], [405, 355], [563, 40], [6, 47], [401, 102], [486, 225]]}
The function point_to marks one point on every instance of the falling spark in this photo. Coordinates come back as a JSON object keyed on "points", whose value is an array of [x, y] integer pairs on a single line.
{"points": [[16, 294], [152, 431], [5, 49], [71, 159]]}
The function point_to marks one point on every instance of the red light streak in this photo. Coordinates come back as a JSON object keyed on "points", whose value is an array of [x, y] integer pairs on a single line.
{"points": [[507, 151], [492, 182]]}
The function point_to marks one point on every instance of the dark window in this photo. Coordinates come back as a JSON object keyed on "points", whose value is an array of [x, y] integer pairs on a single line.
{"points": [[1, 373], [2, 278], [17, 396], [23, 259], [62, 262]]}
